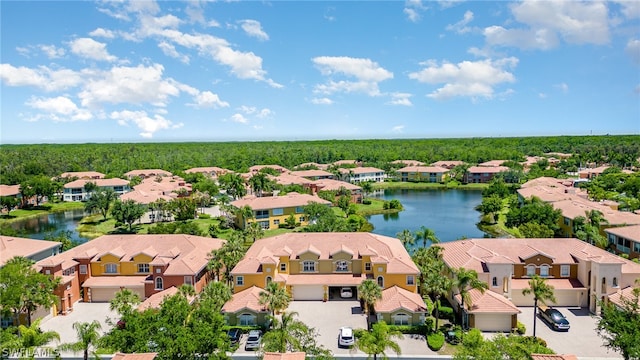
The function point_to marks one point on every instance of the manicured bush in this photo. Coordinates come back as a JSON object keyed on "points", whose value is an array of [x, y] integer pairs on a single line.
{"points": [[435, 341], [445, 312], [410, 329], [429, 323], [366, 202], [204, 216], [521, 329]]}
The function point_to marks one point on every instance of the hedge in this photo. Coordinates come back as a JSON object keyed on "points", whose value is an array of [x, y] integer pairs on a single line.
{"points": [[435, 341]]}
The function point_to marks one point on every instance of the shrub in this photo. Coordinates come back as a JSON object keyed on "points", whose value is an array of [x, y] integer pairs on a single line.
{"points": [[429, 323], [445, 312], [435, 341], [204, 216], [521, 329], [410, 329], [366, 201]]}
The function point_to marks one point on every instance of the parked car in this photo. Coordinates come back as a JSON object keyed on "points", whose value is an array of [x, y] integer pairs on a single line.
{"points": [[234, 336], [555, 319], [346, 293], [345, 337], [253, 340]]}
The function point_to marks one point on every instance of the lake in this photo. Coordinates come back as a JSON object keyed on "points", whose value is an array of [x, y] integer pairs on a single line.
{"points": [[449, 213], [38, 227]]}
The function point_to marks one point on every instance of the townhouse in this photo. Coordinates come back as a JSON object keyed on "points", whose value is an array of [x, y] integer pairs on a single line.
{"points": [[362, 174], [35, 250], [82, 175], [580, 273], [432, 174], [316, 266], [145, 264], [211, 171], [482, 174], [625, 239], [335, 185], [577, 207], [272, 211], [313, 174], [146, 173], [448, 164], [75, 190]]}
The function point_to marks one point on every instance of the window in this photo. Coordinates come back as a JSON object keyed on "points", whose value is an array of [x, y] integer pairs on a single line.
{"points": [[301, 218], [636, 247], [143, 268], [401, 319], [111, 268], [188, 280], [342, 266], [283, 267], [494, 282], [411, 280], [308, 266], [47, 272], [262, 214], [299, 209], [268, 280], [247, 320], [83, 269], [276, 222], [69, 271], [531, 270], [367, 266], [564, 270], [159, 284], [158, 270], [544, 270], [239, 280], [567, 221], [615, 282], [278, 211], [381, 281], [264, 225]]}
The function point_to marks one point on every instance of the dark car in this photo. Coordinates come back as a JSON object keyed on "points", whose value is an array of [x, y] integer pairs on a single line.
{"points": [[234, 336], [555, 319]]}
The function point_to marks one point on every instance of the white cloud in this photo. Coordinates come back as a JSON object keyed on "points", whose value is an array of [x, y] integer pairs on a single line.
{"points": [[397, 129], [575, 22], [461, 26], [630, 9], [633, 50], [42, 77], [207, 99], [103, 33], [367, 73], [412, 9], [562, 87], [148, 125], [170, 50], [59, 109], [91, 49], [542, 95], [239, 118], [264, 113], [254, 29], [468, 78], [402, 99], [322, 101], [52, 51]]}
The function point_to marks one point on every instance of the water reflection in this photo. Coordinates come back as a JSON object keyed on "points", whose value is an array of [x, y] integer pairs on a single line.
{"points": [[48, 224]]}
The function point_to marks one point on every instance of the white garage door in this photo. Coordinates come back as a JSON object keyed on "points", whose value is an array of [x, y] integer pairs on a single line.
{"points": [[308, 292], [105, 294], [493, 322]]}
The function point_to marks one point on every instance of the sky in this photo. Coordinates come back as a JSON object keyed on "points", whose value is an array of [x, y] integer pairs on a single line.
{"points": [[157, 71]]}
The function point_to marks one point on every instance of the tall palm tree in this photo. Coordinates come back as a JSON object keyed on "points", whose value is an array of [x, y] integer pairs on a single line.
{"points": [[260, 182], [378, 340], [275, 297], [407, 239], [124, 301], [541, 293], [31, 337], [254, 231], [427, 234], [367, 187], [88, 335], [245, 213], [228, 256], [435, 283], [282, 336], [466, 280], [369, 292]]}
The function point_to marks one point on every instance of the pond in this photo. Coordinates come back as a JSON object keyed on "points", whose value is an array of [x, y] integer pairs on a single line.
{"points": [[40, 226], [449, 213]]}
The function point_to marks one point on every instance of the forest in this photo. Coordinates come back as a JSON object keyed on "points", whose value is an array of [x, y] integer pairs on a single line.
{"points": [[21, 162]]}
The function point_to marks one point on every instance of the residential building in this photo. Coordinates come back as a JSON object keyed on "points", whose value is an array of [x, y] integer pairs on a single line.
{"points": [[313, 174], [362, 174], [346, 162], [580, 273], [145, 264], [14, 192], [211, 171], [313, 164], [291, 179], [548, 194], [284, 356], [548, 181], [335, 185], [399, 306], [482, 174], [244, 308], [625, 239], [624, 296], [448, 164], [492, 163], [573, 208], [75, 190], [592, 173], [408, 163], [172, 186], [35, 250], [256, 168], [82, 175], [136, 356], [432, 174], [146, 173], [154, 301], [272, 211]]}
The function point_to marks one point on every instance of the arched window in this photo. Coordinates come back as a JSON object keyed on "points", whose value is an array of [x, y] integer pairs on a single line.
{"points": [[544, 270], [247, 320], [531, 270], [159, 284], [494, 281], [615, 282], [381, 281], [401, 319], [268, 280]]}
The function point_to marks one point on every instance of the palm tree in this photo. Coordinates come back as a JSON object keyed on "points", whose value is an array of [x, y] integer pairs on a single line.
{"points": [[466, 280], [260, 182], [376, 341], [282, 337], [426, 234], [369, 292], [541, 292], [227, 257], [245, 213], [254, 231], [31, 337], [124, 301], [367, 187], [435, 283], [406, 238], [88, 336], [275, 297]]}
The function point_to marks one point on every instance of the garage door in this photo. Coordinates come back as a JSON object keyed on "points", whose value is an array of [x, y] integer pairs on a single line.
{"points": [[493, 322], [563, 298], [308, 292], [105, 294]]}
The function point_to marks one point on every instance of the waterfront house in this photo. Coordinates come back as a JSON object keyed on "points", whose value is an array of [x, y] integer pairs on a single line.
{"points": [[431, 174], [482, 174], [13, 191], [75, 190], [362, 174], [336, 185], [577, 207], [32, 249]]}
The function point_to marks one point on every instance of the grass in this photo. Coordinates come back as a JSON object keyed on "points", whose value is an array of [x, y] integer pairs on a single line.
{"points": [[376, 207], [500, 228], [41, 210]]}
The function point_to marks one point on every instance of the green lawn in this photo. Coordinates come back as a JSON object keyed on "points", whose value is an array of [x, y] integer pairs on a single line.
{"points": [[376, 207], [499, 228], [40, 210]]}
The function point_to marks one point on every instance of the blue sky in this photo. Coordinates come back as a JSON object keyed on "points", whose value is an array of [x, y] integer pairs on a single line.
{"points": [[103, 71]]}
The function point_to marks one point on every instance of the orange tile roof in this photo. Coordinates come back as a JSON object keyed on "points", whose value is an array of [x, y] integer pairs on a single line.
{"points": [[625, 294], [361, 170], [311, 173], [9, 190], [146, 197], [423, 169], [548, 194], [256, 168], [382, 249], [291, 199], [545, 181], [154, 301], [487, 169], [627, 232], [489, 302], [578, 207], [284, 356], [395, 298], [444, 163], [245, 299], [82, 174], [99, 182], [16, 246], [345, 162], [319, 166], [289, 179], [208, 170], [408, 162], [553, 357], [334, 185], [148, 172], [166, 185], [492, 163], [140, 356]]}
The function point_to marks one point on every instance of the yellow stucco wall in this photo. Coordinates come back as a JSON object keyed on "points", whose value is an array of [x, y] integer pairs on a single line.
{"points": [[123, 267]]}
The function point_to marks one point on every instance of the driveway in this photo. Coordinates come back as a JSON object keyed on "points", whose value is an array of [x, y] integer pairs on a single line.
{"points": [[82, 312], [581, 340]]}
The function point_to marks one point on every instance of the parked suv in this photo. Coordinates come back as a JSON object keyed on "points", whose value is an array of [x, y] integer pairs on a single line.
{"points": [[253, 340], [555, 319], [345, 337], [234, 336]]}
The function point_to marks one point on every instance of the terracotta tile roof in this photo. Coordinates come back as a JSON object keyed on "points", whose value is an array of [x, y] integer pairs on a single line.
{"points": [[184, 254], [166, 186], [311, 173], [472, 253], [553, 357], [346, 162], [395, 298], [154, 301], [548, 194], [547, 181], [256, 168], [140, 356], [492, 163], [146, 197], [489, 302], [284, 356], [208, 170], [83, 174], [99, 182], [15, 246], [361, 170], [487, 169], [578, 207], [319, 166], [291, 199], [245, 299], [626, 293], [627, 232], [423, 169], [559, 284], [288, 179], [147, 172], [408, 162], [334, 185], [382, 249], [448, 163], [325, 279], [9, 190], [596, 171], [111, 281]]}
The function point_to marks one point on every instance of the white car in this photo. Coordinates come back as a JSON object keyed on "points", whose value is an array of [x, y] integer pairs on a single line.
{"points": [[346, 293], [345, 337]]}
